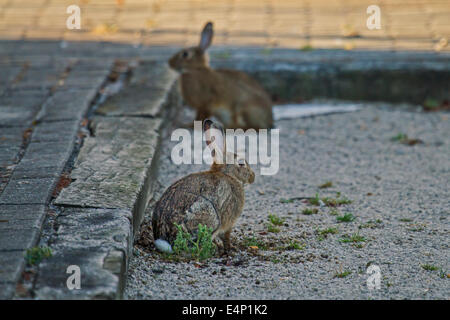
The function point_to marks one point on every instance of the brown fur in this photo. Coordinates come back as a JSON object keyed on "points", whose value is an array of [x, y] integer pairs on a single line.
{"points": [[231, 96], [214, 198]]}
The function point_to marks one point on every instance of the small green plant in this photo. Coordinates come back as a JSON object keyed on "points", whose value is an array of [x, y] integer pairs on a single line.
{"points": [[404, 139], [342, 274], [294, 245], [334, 212], [371, 224], [329, 202], [429, 267], [306, 48], [348, 217], [399, 137], [325, 185], [322, 234], [416, 227], [309, 211], [253, 242], [272, 228], [354, 238], [35, 255], [275, 260], [315, 201], [275, 220], [431, 104], [201, 248]]}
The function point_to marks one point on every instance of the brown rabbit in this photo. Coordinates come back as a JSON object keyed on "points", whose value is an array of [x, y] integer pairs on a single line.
{"points": [[214, 198], [233, 97]]}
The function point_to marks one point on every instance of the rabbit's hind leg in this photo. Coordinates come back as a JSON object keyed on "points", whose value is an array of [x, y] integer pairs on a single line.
{"points": [[226, 240]]}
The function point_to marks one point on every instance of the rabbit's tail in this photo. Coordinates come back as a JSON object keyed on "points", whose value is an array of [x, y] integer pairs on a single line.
{"points": [[163, 246]]}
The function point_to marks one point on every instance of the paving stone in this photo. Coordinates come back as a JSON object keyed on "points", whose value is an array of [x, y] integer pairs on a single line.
{"points": [[67, 105], [18, 108], [28, 191], [8, 154], [10, 115], [11, 266], [85, 79], [21, 212], [15, 240], [153, 74], [99, 242], [135, 101], [42, 78], [111, 168], [7, 290], [147, 94], [55, 131], [46, 154], [11, 136], [86, 227], [26, 171]]}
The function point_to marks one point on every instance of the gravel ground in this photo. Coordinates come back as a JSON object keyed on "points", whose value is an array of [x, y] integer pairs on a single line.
{"points": [[401, 205]]}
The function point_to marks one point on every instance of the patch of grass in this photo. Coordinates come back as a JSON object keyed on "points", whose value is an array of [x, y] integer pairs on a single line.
{"points": [[416, 227], [275, 260], [405, 220], [333, 212], [348, 217], [322, 234], [342, 274], [371, 224], [200, 249], [272, 228], [294, 245], [315, 201], [253, 242], [329, 202], [431, 104], [443, 274], [306, 48], [399, 137], [354, 238], [275, 220], [35, 255], [283, 200], [325, 185], [404, 139], [429, 267], [309, 211]]}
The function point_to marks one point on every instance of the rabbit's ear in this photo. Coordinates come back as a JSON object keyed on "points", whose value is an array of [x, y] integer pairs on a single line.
{"points": [[206, 37], [215, 139]]}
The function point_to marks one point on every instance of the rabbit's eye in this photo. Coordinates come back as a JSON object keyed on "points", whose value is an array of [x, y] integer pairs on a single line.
{"points": [[185, 54]]}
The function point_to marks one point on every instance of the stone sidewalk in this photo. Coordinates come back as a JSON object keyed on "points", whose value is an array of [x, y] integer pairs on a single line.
{"points": [[338, 24], [41, 108]]}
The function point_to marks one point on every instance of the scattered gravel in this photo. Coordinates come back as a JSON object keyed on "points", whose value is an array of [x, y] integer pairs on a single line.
{"points": [[401, 205]]}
